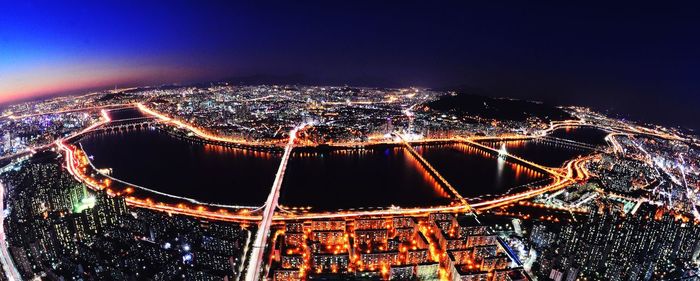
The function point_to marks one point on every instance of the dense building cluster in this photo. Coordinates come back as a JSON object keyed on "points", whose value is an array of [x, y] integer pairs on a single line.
{"points": [[340, 114], [442, 246], [61, 231], [626, 208], [651, 244], [21, 134], [263, 113], [623, 175]]}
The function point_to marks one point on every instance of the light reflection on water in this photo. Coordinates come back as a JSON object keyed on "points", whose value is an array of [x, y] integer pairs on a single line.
{"points": [[339, 179]]}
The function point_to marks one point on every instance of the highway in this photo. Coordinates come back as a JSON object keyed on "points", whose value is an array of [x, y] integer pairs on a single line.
{"points": [[256, 254], [200, 212], [561, 177], [197, 131], [110, 106], [617, 148], [560, 181]]}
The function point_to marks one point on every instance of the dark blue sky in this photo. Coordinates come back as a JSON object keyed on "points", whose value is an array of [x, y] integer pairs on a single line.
{"points": [[642, 61]]}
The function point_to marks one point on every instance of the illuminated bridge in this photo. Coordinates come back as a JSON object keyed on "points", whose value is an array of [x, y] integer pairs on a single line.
{"points": [[568, 143], [254, 270], [433, 171], [126, 124], [270, 212], [510, 157]]}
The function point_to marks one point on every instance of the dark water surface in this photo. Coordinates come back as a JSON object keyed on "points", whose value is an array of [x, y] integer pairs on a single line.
{"points": [[125, 113], [209, 173], [581, 134], [474, 173], [378, 177], [541, 152], [548, 153]]}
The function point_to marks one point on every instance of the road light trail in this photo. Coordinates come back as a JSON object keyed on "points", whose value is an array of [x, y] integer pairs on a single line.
{"points": [[195, 130], [558, 183], [256, 255], [74, 170], [110, 106], [560, 180], [160, 193], [32, 150], [8, 266]]}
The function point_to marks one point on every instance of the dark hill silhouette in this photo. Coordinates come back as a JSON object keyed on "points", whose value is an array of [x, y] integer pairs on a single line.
{"points": [[497, 108]]}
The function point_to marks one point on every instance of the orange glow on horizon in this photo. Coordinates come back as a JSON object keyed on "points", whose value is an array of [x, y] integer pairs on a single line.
{"points": [[48, 80]]}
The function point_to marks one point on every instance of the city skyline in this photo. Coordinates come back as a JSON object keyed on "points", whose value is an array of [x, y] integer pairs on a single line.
{"points": [[281, 182], [614, 57], [349, 140]]}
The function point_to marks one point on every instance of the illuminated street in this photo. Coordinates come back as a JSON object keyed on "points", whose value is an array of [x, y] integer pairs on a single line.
{"points": [[269, 216], [349, 140], [254, 267]]}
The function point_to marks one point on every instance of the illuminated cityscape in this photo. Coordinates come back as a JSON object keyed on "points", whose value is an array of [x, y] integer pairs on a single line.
{"points": [[349, 140], [417, 200]]}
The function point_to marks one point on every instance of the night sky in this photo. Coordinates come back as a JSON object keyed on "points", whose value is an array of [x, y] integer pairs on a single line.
{"points": [[641, 62]]}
